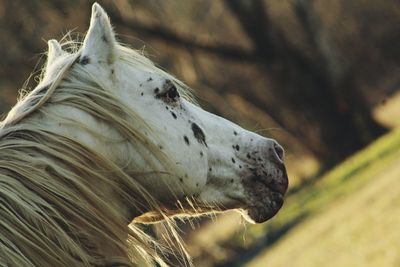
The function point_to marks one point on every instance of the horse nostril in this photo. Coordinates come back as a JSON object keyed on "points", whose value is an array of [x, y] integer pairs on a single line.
{"points": [[280, 153]]}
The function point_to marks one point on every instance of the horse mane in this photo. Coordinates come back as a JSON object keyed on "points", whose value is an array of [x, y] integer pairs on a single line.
{"points": [[49, 212]]}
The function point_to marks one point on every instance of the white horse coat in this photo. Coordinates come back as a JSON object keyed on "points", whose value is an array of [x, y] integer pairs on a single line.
{"points": [[122, 140]]}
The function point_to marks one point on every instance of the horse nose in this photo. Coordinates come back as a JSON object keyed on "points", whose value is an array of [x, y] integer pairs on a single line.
{"points": [[273, 152], [279, 152]]}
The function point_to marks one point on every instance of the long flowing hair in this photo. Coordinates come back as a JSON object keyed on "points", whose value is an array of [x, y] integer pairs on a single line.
{"points": [[49, 213]]}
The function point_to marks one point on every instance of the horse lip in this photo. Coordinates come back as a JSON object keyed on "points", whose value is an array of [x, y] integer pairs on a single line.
{"points": [[272, 201], [260, 214]]}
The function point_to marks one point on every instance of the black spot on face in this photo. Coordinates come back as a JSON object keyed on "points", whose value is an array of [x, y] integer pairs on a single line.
{"points": [[235, 133], [237, 147], [169, 93], [104, 38], [231, 181], [173, 115], [198, 134], [181, 180], [149, 79], [248, 156], [201, 154], [186, 139], [141, 93], [156, 90], [84, 60], [210, 169], [197, 184], [173, 93], [112, 71], [233, 160]]}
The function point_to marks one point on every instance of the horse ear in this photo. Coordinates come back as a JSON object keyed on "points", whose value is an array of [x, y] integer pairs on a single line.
{"points": [[54, 52], [99, 43]]}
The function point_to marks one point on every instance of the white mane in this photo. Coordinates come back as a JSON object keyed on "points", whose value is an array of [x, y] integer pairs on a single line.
{"points": [[32, 157]]}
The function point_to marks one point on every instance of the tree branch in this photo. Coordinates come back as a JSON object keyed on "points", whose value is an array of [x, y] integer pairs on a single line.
{"points": [[326, 51], [171, 37], [255, 23]]}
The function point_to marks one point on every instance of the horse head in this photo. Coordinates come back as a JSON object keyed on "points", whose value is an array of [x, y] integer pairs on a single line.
{"points": [[213, 163], [105, 138]]}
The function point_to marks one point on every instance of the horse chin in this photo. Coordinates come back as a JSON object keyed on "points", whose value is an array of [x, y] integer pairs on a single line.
{"points": [[264, 210], [266, 196]]}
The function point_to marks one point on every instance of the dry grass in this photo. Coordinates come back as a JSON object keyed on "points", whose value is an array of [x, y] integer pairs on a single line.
{"points": [[352, 215], [361, 229], [348, 217]]}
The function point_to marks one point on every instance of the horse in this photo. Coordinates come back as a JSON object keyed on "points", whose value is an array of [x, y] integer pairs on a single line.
{"points": [[107, 142]]}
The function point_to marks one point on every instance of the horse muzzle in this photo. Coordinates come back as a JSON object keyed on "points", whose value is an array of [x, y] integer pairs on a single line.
{"points": [[266, 185]]}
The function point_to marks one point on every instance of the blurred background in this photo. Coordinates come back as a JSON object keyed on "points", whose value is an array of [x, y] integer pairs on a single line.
{"points": [[320, 76]]}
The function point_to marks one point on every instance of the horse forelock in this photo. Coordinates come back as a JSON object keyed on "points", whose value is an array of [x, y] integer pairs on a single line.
{"points": [[41, 174]]}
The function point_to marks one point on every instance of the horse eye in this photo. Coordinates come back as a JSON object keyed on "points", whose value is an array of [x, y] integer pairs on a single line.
{"points": [[169, 96], [172, 93]]}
